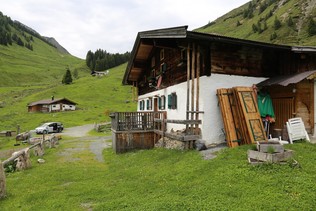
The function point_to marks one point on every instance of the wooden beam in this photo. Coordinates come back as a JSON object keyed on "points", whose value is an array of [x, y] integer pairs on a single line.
{"points": [[196, 112], [191, 137], [192, 82], [197, 106], [13, 157], [188, 83], [175, 121]]}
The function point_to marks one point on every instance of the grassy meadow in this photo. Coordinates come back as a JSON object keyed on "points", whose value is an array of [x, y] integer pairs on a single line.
{"points": [[162, 179], [96, 97], [158, 179]]}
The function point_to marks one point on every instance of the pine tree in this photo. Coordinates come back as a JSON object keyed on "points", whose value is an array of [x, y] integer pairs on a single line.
{"points": [[311, 27], [277, 23], [290, 22], [67, 79]]}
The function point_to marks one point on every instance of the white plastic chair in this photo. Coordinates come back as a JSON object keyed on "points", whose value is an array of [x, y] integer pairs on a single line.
{"points": [[296, 129]]}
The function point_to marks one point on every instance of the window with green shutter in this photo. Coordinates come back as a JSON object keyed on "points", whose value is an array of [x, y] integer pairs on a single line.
{"points": [[141, 105], [162, 102], [172, 101], [149, 104]]}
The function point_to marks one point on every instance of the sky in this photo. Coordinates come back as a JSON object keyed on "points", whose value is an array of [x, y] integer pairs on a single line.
{"points": [[111, 25]]}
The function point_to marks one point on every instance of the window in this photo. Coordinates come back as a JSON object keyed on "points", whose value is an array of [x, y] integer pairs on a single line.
{"points": [[183, 54], [162, 102], [163, 68], [172, 101], [153, 62], [162, 54], [141, 105], [149, 104]]}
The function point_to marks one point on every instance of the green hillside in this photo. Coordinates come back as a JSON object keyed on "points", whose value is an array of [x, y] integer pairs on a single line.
{"points": [[34, 71], [96, 97], [20, 66], [283, 22], [27, 58]]}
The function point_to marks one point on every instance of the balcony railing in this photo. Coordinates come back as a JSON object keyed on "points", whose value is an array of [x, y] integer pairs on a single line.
{"points": [[134, 121]]}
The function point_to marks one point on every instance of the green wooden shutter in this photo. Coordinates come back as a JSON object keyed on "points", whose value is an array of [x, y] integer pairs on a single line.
{"points": [[174, 101], [170, 101], [159, 103]]}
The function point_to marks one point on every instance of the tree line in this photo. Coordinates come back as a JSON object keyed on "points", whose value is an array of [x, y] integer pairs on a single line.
{"points": [[102, 60]]}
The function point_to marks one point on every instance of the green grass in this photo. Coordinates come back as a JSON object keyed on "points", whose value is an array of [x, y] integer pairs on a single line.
{"points": [[163, 179], [28, 76], [96, 97], [43, 66]]}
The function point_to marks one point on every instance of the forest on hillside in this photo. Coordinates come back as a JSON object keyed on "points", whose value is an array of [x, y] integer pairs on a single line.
{"points": [[16, 32], [102, 60], [290, 22]]}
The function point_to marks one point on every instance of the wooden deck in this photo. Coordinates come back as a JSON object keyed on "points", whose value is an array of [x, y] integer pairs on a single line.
{"points": [[142, 130]]}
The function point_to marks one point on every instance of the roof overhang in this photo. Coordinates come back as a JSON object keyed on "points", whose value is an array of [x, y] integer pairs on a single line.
{"points": [[146, 41], [288, 79], [298, 49], [143, 46]]}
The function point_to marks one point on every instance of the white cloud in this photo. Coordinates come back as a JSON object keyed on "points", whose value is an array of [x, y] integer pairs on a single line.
{"points": [[112, 25]]}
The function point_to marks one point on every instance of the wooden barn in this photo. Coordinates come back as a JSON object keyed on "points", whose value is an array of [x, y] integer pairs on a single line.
{"points": [[52, 105], [175, 74]]}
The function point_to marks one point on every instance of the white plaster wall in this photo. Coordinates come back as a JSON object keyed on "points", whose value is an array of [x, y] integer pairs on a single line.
{"points": [[212, 123], [69, 107], [55, 107]]}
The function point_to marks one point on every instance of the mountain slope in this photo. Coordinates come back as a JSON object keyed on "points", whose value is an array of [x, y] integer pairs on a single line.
{"points": [[54, 42], [27, 58], [284, 22], [35, 73], [96, 98]]}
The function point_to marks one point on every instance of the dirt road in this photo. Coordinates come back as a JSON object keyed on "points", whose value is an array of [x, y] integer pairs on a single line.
{"points": [[81, 138]]}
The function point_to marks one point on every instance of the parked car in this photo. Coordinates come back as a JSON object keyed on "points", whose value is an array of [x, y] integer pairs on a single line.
{"points": [[50, 127]]}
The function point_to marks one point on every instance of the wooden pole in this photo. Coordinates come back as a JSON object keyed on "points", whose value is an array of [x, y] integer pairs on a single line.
{"points": [[2, 182], [197, 107], [188, 84], [192, 86]]}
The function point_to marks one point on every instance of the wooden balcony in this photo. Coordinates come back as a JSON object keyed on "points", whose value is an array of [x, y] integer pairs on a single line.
{"points": [[141, 130]]}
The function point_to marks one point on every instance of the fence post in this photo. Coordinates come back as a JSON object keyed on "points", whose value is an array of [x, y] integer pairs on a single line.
{"points": [[39, 149], [23, 161], [2, 182]]}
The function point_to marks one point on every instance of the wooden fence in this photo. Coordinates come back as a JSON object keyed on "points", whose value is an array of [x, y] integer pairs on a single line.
{"points": [[141, 130], [133, 121], [22, 159], [133, 130]]}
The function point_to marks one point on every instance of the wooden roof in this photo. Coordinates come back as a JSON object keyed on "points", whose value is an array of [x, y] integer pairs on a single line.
{"points": [[177, 37], [285, 80], [50, 101]]}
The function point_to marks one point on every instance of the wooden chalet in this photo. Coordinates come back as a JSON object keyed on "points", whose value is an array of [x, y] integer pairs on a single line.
{"points": [[52, 105], [175, 74]]}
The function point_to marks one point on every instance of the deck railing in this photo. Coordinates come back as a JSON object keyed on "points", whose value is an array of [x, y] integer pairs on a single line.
{"points": [[134, 121]]}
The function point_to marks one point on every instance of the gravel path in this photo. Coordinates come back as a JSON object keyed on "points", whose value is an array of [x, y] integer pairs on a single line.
{"points": [[79, 131], [81, 136]]}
